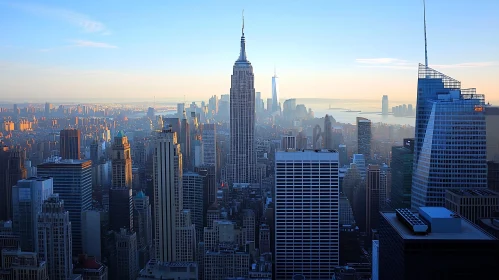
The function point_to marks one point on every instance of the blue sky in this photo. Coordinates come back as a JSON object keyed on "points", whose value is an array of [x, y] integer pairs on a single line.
{"points": [[131, 50]]}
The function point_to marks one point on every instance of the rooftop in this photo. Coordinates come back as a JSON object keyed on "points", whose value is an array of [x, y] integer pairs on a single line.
{"points": [[467, 230], [473, 192]]}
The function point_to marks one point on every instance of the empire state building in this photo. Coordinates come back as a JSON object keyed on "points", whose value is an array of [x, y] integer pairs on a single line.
{"points": [[242, 157]]}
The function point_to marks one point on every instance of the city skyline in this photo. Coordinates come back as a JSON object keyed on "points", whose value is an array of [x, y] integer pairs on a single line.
{"points": [[91, 43]]}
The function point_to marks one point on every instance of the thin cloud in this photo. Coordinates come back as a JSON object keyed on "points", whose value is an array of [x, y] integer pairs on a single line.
{"points": [[395, 63], [86, 23], [92, 44]]}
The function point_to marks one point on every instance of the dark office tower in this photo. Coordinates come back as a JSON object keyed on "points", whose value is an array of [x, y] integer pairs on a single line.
{"points": [[142, 224], [95, 151], [48, 108], [73, 183], [384, 105], [150, 113], [192, 191], [342, 150], [373, 192], [54, 238], [70, 144], [317, 137], [401, 165], [493, 175], [209, 185], [185, 141], [264, 239], [122, 162], [328, 134], [450, 139], [120, 208], [11, 170], [437, 244], [364, 137], [127, 263], [242, 159]]}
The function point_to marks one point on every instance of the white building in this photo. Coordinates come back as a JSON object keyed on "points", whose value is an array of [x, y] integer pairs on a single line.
{"points": [[306, 214]]}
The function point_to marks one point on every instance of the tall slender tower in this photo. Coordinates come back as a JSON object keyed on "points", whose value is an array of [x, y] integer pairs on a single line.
{"points": [[275, 91], [122, 162], [364, 137], [242, 119], [167, 170]]}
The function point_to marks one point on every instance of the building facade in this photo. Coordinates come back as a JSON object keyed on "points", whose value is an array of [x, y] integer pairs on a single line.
{"points": [[448, 118], [472, 204], [364, 137], [70, 144], [306, 214], [143, 227], [127, 262], [193, 194], [401, 166]]}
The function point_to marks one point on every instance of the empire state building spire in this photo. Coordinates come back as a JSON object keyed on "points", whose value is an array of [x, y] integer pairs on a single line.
{"points": [[242, 53]]}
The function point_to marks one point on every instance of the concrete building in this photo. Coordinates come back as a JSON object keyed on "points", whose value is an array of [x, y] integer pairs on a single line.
{"points": [[360, 162], [127, 263], [299, 175], [450, 143], [72, 180], [364, 137], [472, 204], [225, 264], [70, 144], [28, 196], [22, 265], [264, 239], [54, 239], [249, 227], [491, 121], [209, 137], [288, 142], [193, 193], [122, 162], [155, 270], [120, 208], [143, 227], [436, 244], [242, 156]]}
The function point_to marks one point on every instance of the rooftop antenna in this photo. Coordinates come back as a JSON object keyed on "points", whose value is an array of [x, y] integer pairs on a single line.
{"points": [[425, 40], [242, 30]]}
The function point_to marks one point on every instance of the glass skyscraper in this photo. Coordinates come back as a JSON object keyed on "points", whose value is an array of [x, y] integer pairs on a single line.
{"points": [[450, 144]]}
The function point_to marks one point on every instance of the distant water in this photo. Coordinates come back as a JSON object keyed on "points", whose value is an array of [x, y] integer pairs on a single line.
{"points": [[370, 109]]}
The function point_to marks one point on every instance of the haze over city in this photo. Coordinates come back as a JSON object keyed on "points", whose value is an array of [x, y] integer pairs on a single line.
{"points": [[119, 51]]}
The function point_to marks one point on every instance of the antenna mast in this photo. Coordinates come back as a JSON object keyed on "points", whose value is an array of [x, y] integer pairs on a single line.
{"points": [[425, 40], [242, 31]]}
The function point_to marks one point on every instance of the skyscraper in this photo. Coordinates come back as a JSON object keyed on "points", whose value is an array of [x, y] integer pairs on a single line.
{"points": [[328, 134], [364, 137], [11, 170], [242, 163], [450, 143], [192, 191], [70, 144], [401, 165], [384, 105], [275, 91], [27, 199], [306, 214], [54, 238], [167, 170], [73, 184], [209, 137], [122, 162], [373, 193], [143, 227], [127, 263]]}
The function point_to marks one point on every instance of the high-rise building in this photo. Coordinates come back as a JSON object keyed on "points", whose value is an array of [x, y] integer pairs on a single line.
{"points": [[242, 161], [23, 265], [120, 208], [275, 92], [122, 162], [92, 232], [491, 121], [48, 108], [180, 109], [150, 113], [249, 226], [373, 191], [450, 143], [306, 214], [342, 150], [185, 141], [54, 239], [493, 175], [401, 166], [28, 196], [95, 152], [192, 191], [226, 264], [364, 137], [70, 144], [472, 204], [73, 182], [360, 162], [209, 137], [384, 105], [127, 263], [143, 227], [167, 170], [288, 142], [11, 170], [436, 244], [264, 239], [328, 133]]}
